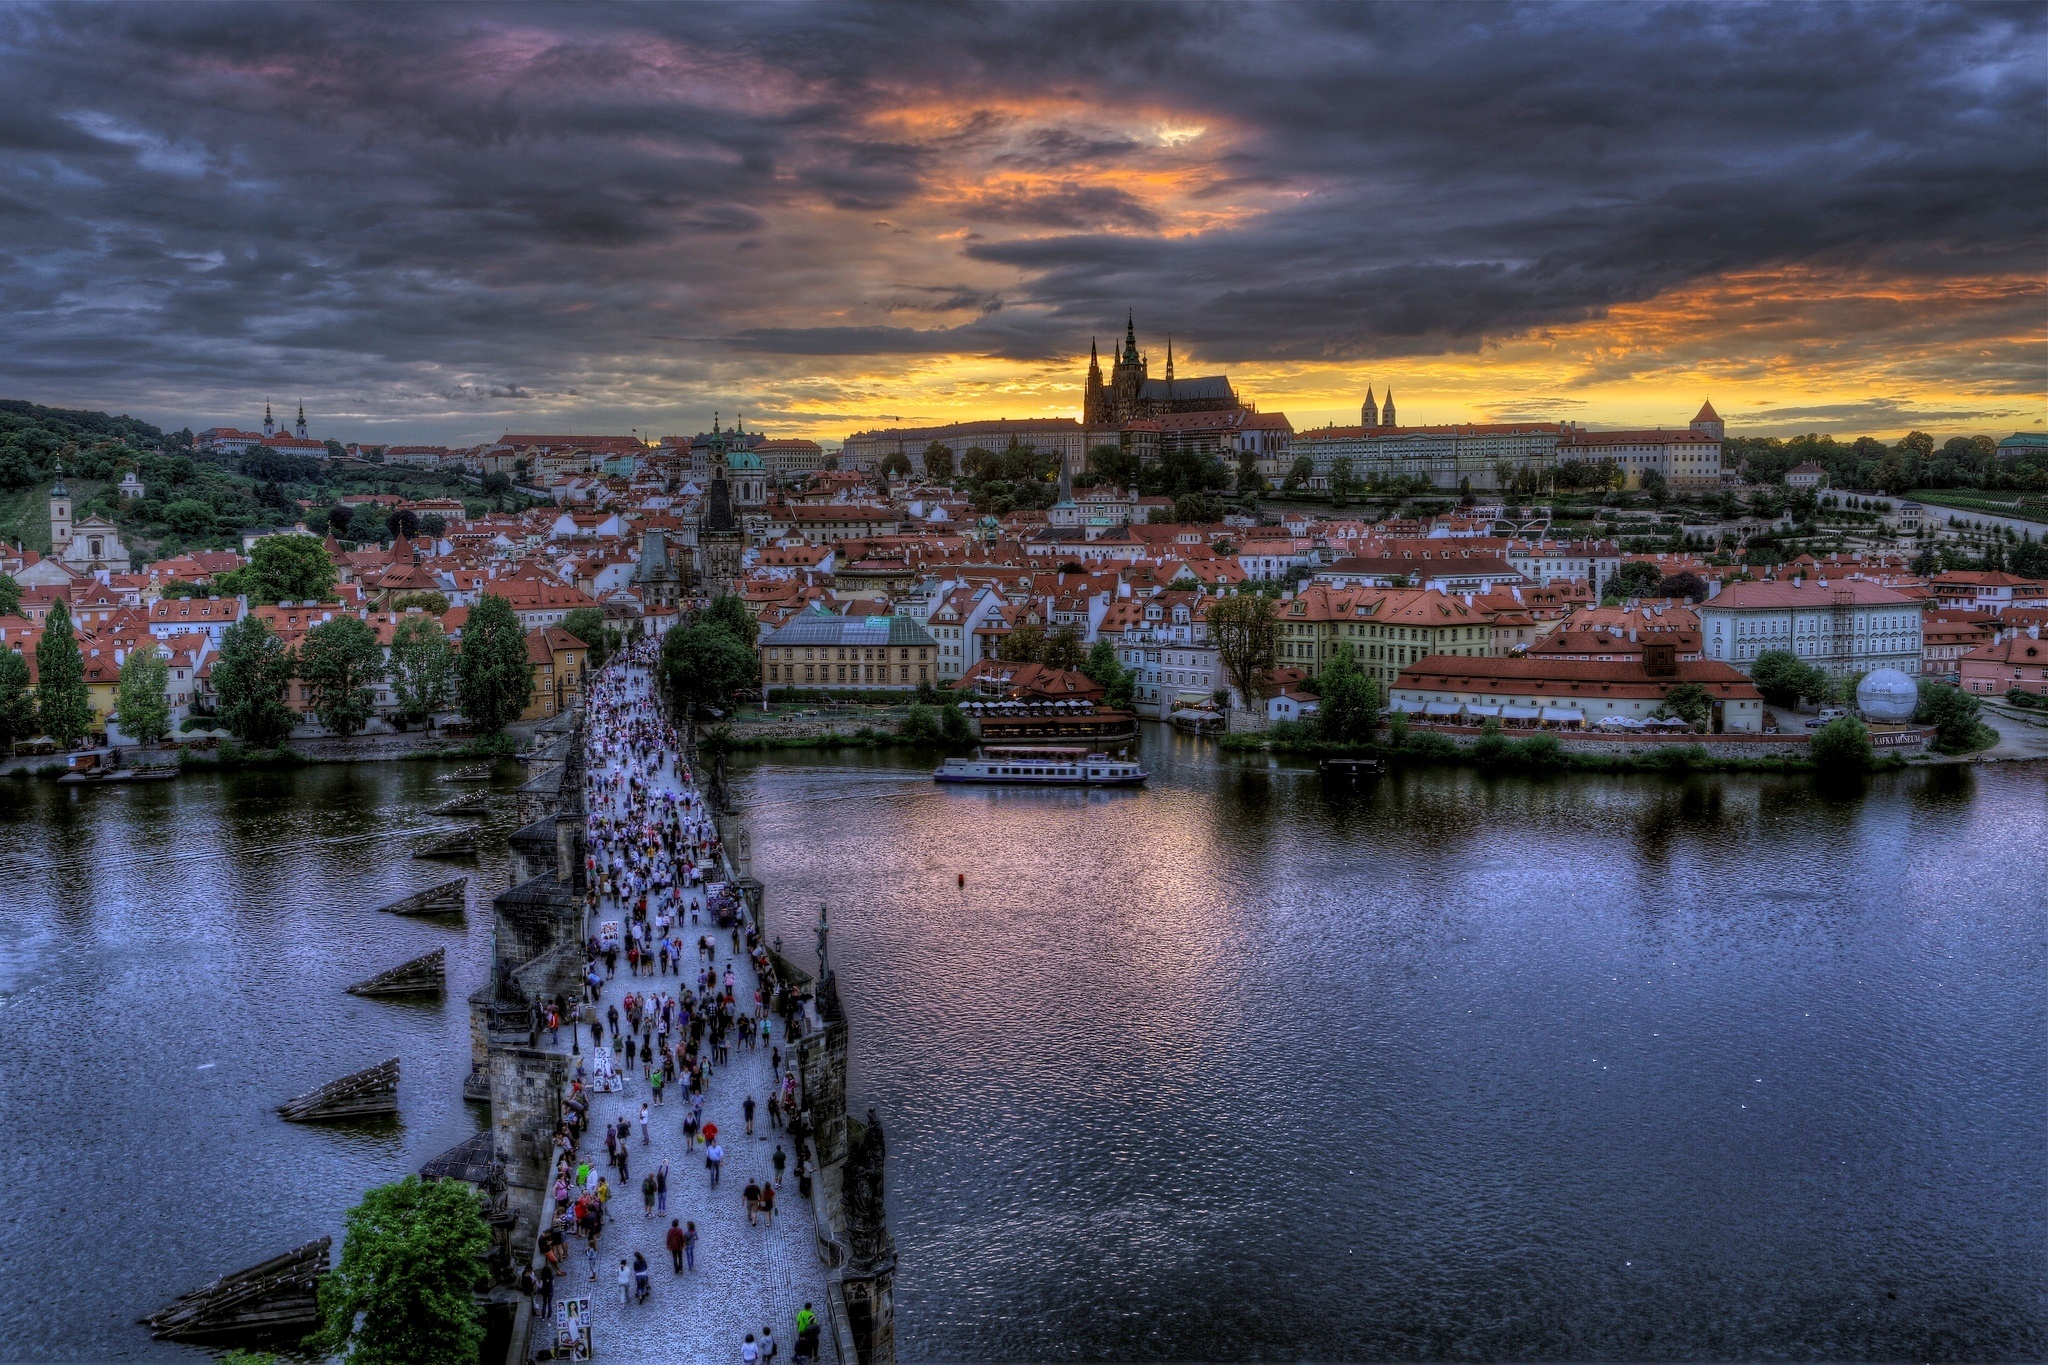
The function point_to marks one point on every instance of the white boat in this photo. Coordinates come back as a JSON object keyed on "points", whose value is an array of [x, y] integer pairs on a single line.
{"points": [[1035, 767]]}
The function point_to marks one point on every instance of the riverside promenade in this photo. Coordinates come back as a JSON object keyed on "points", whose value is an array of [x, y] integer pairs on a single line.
{"points": [[747, 1278]]}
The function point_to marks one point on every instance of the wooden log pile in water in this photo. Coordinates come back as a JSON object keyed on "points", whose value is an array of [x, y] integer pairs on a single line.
{"points": [[445, 899], [276, 1299], [476, 803], [373, 1090], [426, 973], [460, 844]]}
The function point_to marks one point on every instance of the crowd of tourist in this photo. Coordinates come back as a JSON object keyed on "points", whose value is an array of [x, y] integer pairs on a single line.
{"points": [[660, 911]]}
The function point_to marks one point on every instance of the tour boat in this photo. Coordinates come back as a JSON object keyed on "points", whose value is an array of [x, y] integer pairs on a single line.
{"points": [[1036, 767]]}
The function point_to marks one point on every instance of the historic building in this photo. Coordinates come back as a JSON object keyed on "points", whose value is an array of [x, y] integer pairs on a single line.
{"points": [[1131, 394], [721, 540], [87, 546]]}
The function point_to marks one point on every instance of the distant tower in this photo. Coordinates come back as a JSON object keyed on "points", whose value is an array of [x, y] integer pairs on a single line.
{"points": [[60, 514], [1095, 399], [1708, 423], [301, 430], [1169, 359], [269, 427], [1369, 412], [1387, 411]]}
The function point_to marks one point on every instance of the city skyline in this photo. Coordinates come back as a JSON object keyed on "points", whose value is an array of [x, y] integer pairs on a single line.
{"points": [[442, 224]]}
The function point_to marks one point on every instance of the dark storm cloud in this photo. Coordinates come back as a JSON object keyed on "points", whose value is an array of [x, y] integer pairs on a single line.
{"points": [[200, 202]]}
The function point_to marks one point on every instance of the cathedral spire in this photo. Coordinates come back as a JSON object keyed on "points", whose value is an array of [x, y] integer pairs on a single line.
{"points": [[1387, 410], [1169, 357], [1131, 338], [1369, 412]]}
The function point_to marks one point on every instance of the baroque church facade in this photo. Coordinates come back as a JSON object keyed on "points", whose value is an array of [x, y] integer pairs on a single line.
{"points": [[1130, 394]]}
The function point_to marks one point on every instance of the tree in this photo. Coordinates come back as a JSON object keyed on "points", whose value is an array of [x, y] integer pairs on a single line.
{"points": [[1298, 474], [1841, 746], [1247, 641], [1344, 481], [1119, 684], [422, 670], [1688, 585], [1656, 486], [432, 603], [17, 702], [1115, 464], [587, 624], [895, 465], [494, 681], [287, 569], [63, 705], [1063, 648], [250, 675], [921, 726], [497, 484], [339, 661], [10, 596], [705, 666], [338, 518], [364, 525], [1635, 578], [938, 460], [1785, 679], [1195, 508], [1024, 644], [1954, 715], [402, 521], [404, 1290], [1690, 703], [1349, 705], [433, 523], [730, 614], [142, 705]]}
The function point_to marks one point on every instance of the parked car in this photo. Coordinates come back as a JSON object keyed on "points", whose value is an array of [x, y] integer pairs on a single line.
{"points": [[1827, 713]]}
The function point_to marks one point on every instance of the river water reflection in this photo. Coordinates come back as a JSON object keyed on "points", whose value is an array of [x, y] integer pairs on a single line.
{"points": [[1242, 1066], [1248, 1065]]}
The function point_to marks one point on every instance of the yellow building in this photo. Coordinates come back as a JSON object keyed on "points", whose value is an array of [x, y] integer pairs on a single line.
{"points": [[559, 660], [1385, 629]]}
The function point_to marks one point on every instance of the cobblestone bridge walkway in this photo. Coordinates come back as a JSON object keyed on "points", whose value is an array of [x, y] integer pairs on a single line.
{"points": [[747, 1278]]}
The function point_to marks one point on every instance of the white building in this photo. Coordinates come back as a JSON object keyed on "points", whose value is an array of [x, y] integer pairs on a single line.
{"points": [[1841, 627]]}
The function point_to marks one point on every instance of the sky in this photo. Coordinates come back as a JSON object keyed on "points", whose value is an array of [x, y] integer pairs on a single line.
{"points": [[443, 223]]}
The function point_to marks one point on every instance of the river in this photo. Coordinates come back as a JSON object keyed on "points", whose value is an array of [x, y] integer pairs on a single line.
{"points": [[1241, 1066]]}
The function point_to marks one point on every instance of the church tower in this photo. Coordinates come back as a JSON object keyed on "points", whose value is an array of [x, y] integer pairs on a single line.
{"points": [[269, 427], [1127, 377], [302, 422], [1095, 401], [1387, 411], [60, 514], [1369, 411]]}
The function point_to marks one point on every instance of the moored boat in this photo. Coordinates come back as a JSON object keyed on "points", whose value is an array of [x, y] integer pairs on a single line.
{"points": [[1042, 767]]}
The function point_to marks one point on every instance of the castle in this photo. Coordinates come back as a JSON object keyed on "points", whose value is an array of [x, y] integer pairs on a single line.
{"points": [[1131, 394]]}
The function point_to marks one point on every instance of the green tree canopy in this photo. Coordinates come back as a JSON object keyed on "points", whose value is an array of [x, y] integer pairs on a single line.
{"points": [[704, 665], [63, 705], [938, 460], [404, 1290], [1691, 703], [340, 661], [1119, 684], [1635, 578], [1024, 644], [1063, 648], [588, 625], [10, 596], [422, 670], [494, 681], [17, 702], [1954, 714], [1841, 746], [432, 603], [290, 569], [143, 706], [728, 613], [250, 675], [1349, 702], [1785, 679]]}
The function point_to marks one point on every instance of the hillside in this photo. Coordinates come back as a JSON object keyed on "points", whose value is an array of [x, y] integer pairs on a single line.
{"points": [[193, 500]]}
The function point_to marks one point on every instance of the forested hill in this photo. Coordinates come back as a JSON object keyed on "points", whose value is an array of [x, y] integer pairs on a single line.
{"points": [[192, 499]]}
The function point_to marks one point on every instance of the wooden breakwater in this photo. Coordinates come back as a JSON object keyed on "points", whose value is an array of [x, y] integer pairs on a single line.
{"points": [[448, 898], [427, 973], [361, 1094], [275, 1300]]}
